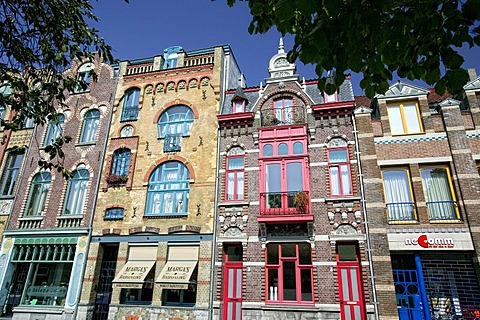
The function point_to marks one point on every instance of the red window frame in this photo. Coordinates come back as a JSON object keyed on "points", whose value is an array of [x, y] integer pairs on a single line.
{"points": [[235, 172], [235, 105], [276, 296], [339, 165], [350, 269], [235, 268]]}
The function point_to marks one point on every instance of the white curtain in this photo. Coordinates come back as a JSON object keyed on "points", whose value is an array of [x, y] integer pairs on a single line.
{"points": [[334, 181], [398, 195], [440, 203], [346, 182], [230, 186]]}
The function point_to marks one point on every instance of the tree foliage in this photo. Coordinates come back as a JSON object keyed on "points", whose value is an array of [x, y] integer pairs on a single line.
{"points": [[39, 40], [417, 39]]}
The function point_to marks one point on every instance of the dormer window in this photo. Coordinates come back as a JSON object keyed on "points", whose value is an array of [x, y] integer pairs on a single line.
{"points": [[238, 106], [404, 117], [330, 97], [84, 77], [171, 55]]}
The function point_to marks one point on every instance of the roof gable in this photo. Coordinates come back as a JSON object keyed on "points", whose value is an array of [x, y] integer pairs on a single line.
{"points": [[472, 85], [402, 90]]}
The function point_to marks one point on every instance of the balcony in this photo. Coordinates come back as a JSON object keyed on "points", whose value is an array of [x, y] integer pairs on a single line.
{"points": [[442, 210], [285, 206], [173, 142], [401, 212], [283, 116]]}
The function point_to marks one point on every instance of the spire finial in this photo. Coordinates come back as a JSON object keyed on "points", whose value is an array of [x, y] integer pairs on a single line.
{"points": [[281, 48]]}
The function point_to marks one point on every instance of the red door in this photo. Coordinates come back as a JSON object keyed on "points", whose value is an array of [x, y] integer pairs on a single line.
{"points": [[350, 281], [232, 292]]}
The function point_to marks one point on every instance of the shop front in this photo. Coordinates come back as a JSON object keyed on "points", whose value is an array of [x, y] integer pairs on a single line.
{"points": [[41, 276], [434, 275]]}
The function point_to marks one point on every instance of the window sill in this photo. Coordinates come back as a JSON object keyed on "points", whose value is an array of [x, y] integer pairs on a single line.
{"points": [[342, 198], [166, 216], [233, 203], [405, 134], [84, 144], [32, 218], [403, 222], [38, 309], [70, 216], [8, 197], [128, 120], [289, 305], [80, 92], [446, 221]]}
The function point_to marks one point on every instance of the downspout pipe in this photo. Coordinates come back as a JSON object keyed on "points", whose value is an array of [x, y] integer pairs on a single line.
{"points": [[365, 218]]}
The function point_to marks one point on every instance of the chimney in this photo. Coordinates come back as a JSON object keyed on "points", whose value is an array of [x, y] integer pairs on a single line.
{"points": [[472, 74]]}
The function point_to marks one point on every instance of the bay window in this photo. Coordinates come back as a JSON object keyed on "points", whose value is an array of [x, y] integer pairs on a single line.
{"points": [[289, 273]]}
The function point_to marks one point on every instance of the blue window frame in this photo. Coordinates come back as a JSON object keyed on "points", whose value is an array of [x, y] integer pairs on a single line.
{"points": [[90, 126], [114, 213], [2, 111], [130, 105], [77, 192], [175, 121], [168, 190], [10, 173], [121, 162], [38, 194], [54, 129]]}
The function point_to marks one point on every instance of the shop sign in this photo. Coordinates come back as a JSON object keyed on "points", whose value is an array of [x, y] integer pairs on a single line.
{"points": [[47, 291], [430, 242]]}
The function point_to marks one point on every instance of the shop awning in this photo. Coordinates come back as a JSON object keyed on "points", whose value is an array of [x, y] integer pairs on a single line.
{"points": [[178, 270], [140, 261], [133, 274]]}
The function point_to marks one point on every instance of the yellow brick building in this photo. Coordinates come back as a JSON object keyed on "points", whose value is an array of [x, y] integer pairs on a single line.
{"points": [[152, 233]]}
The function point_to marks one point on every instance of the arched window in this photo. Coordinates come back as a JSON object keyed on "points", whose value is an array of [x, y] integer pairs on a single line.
{"points": [[235, 174], [38, 194], [283, 110], [168, 190], [90, 126], [130, 105], [176, 120], [10, 173], [83, 77], [121, 162], [54, 129], [77, 192]]}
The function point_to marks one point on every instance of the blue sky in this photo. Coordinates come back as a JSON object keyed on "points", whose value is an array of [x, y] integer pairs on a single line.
{"points": [[144, 28]]}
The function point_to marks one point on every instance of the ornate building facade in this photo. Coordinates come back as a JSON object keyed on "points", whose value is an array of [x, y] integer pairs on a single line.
{"points": [[46, 236], [291, 238], [152, 235]]}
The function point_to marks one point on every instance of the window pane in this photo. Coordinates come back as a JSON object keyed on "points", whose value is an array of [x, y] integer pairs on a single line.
{"points": [[353, 275], [345, 288], [298, 148], [304, 251], [289, 250], [411, 118], [339, 155], [272, 284], [234, 253], [289, 281], [347, 252], [306, 284], [395, 117], [267, 150], [440, 204], [235, 163], [238, 283], [240, 185], [294, 176], [398, 195], [272, 177], [346, 182], [231, 281], [282, 149], [334, 181], [272, 254]]}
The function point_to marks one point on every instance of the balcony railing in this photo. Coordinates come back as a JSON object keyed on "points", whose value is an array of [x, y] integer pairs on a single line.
{"points": [[442, 210], [130, 114], [283, 116], [173, 142], [401, 211], [284, 203]]}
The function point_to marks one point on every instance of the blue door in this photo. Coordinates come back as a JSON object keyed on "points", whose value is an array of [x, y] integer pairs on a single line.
{"points": [[408, 293]]}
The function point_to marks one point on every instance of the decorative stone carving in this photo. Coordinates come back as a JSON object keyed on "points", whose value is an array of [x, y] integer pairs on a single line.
{"points": [[281, 62], [232, 218], [345, 229], [337, 142], [344, 216], [205, 82], [149, 89], [233, 232], [5, 206], [171, 86], [160, 88], [182, 85], [193, 83]]}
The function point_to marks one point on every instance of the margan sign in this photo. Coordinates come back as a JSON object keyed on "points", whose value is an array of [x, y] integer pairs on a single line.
{"points": [[425, 241]]}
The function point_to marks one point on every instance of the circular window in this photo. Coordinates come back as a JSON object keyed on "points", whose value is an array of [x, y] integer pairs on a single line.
{"points": [[127, 131]]}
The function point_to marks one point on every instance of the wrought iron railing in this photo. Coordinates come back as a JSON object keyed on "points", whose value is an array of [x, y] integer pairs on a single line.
{"points": [[442, 210], [283, 116], [173, 142], [401, 211], [284, 203]]}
